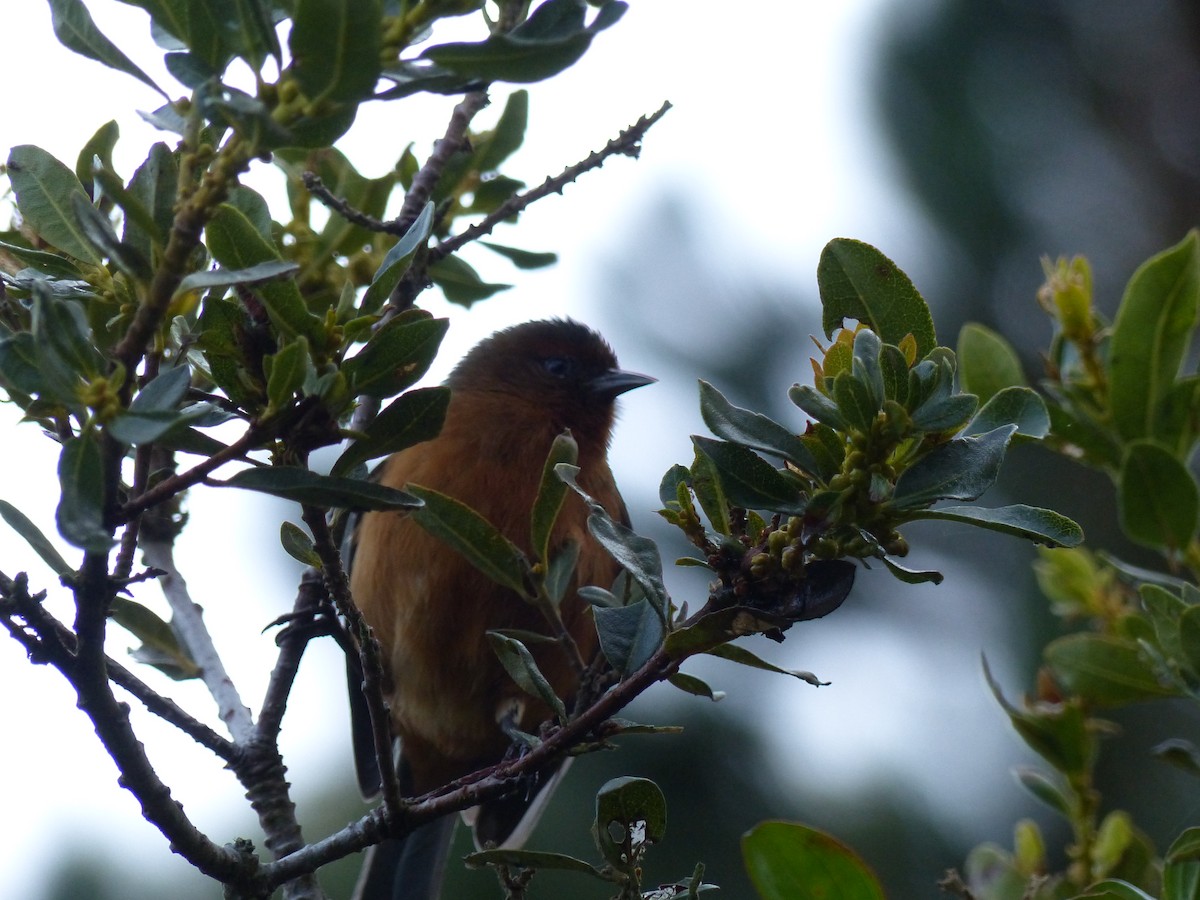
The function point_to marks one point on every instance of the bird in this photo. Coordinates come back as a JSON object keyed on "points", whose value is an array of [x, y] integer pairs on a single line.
{"points": [[452, 705]]}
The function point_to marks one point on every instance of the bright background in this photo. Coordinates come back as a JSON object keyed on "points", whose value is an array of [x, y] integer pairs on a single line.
{"points": [[697, 260]]}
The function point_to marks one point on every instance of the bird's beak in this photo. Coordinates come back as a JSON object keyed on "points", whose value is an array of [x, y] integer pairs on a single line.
{"points": [[617, 381]]}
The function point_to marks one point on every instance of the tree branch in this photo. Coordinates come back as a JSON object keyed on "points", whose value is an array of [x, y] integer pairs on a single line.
{"points": [[627, 143]]}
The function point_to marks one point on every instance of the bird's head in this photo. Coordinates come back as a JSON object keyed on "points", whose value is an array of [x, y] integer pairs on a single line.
{"points": [[556, 365]]}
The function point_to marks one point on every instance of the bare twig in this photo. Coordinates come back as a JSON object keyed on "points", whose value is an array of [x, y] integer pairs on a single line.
{"points": [[369, 655], [343, 207], [627, 143], [188, 622]]}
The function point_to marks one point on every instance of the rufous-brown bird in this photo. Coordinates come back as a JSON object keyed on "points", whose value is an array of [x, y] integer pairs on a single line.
{"points": [[430, 608]]}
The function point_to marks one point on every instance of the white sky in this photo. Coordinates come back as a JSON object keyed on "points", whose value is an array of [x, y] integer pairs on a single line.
{"points": [[778, 80]]}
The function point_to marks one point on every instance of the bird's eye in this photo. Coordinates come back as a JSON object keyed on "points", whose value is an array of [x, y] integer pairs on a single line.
{"points": [[558, 366]]}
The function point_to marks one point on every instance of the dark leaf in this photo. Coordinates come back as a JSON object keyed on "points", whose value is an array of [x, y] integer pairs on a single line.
{"points": [[1042, 526], [397, 261], [522, 259], [461, 283], [698, 687], [304, 486], [411, 418], [519, 663], [787, 861], [45, 190], [480, 542], [750, 481], [630, 812], [987, 363], [1104, 670], [74, 27], [1157, 497], [1016, 406], [80, 514], [33, 536], [216, 278], [961, 469], [552, 491], [742, 426], [335, 47], [396, 355], [629, 635]]}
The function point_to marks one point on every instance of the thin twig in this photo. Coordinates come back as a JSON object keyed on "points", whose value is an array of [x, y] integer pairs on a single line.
{"points": [[343, 207], [188, 622], [627, 143], [369, 655]]}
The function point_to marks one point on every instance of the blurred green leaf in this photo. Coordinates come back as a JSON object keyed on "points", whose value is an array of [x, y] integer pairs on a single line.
{"points": [[530, 859], [961, 469], [697, 687], [1180, 753], [1042, 526], [305, 486], [63, 343], [99, 231], [519, 663], [1046, 790], [742, 656], [414, 416], [396, 356], [705, 482], [629, 635], [74, 27], [750, 481], [508, 135], [80, 513], [298, 545], [551, 40], [522, 259], [790, 861], [1104, 670], [1157, 498], [987, 363], [461, 283], [858, 282], [1188, 633], [477, 539], [1113, 889], [160, 646], [335, 47], [630, 812], [552, 490], [21, 524], [286, 371], [1151, 334], [46, 190], [99, 146], [152, 190]]}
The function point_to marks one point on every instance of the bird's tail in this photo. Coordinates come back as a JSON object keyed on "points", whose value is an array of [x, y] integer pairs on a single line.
{"points": [[408, 868]]}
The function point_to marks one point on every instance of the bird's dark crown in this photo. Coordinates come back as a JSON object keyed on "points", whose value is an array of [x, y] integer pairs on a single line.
{"points": [[550, 357]]}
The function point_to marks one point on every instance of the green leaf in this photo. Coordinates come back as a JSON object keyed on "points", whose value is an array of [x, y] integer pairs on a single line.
{"points": [[637, 555], [160, 646], [705, 482], [396, 356], [817, 405], [1113, 889], [855, 402], [33, 536], [552, 491], [80, 514], [286, 371], [235, 243], [217, 278], [961, 469], [519, 663], [305, 486], [629, 635], [298, 544], [910, 576], [1018, 406], [506, 138], [790, 861], [1189, 633], [987, 363], [858, 282], [751, 429], [533, 51], [522, 259], [45, 190], [1185, 848], [1151, 334], [397, 261], [630, 812], [99, 146], [1046, 790], [697, 687], [1157, 497], [560, 570], [164, 392], [1042, 526], [1103, 669], [411, 418], [742, 656], [74, 27], [1180, 753], [335, 47], [461, 283], [98, 230], [477, 539], [149, 203], [750, 481]]}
